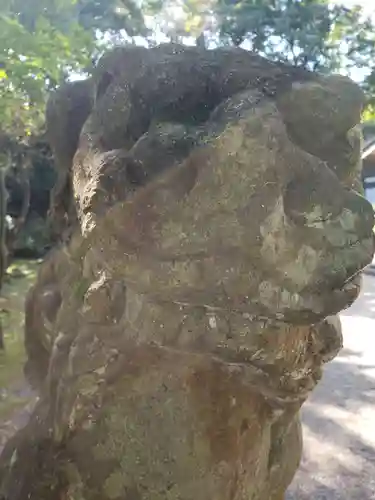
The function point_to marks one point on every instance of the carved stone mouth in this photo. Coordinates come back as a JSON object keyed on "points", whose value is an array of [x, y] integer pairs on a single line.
{"points": [[343, 296], [352, 281], [325, 299], [351, 287], [339, 285]]}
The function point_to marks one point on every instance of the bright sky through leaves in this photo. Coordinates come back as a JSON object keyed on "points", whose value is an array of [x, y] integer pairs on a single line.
{"points": [[368, 5]]}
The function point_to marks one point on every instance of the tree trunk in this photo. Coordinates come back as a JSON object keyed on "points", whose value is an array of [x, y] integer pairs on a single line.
{"points": [[3, 213], [2, 343], [3, 249], [20, 221]]}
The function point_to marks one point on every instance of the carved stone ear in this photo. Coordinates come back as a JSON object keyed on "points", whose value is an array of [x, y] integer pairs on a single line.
{"points": [[103, 84]]}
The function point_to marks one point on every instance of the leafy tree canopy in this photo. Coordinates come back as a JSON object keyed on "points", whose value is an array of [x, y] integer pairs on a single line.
{"points": [[43, 42], [35, 54]]}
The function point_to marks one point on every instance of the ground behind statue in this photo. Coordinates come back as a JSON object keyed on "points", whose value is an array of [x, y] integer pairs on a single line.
{"points": [[339, 418]]}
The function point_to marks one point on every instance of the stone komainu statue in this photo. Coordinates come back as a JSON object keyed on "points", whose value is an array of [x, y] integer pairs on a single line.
{"points": [[216, 233]]}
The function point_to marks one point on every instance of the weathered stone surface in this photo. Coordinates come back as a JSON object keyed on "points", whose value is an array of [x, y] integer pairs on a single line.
{"points": [[175, 336], [66, 112]]}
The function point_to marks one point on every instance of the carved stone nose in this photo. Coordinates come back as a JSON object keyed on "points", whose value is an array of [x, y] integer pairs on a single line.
{"points": [[317, 201], [358, 216], [313, 198]]}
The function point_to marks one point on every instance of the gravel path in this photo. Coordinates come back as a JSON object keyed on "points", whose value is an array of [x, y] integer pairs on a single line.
{"points": [[339, 418]]}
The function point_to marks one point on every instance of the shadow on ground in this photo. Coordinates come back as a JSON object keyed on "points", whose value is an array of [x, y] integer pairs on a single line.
{"points": [[339, 418]]}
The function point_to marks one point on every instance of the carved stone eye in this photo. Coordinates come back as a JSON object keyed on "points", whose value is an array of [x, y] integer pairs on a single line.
{"points": [[308, 197]]}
